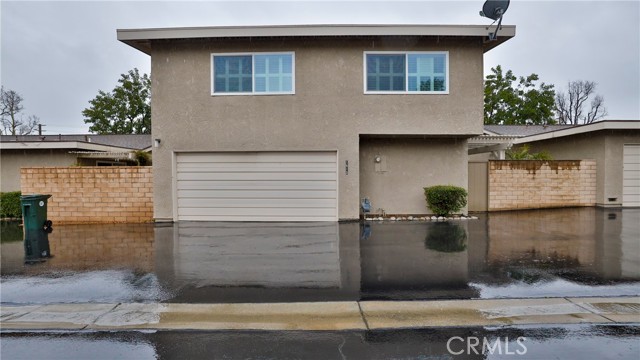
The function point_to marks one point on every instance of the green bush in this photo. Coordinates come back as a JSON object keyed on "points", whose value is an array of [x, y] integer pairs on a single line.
{"points": [[445, 200], [10, 205], [522, 153], [142, 158], [446, 237]]}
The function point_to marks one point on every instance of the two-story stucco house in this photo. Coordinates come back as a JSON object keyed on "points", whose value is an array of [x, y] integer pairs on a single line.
{"points": [[300, 123]]}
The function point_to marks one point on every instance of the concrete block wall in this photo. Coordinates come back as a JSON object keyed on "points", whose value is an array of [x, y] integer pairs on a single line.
{"points": [[92, 194], [533, 184]]}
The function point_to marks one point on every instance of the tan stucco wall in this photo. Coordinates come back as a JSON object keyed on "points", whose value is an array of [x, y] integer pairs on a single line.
{"points": [[606, 148], [12, 160], [408, 166], [328, 112]]}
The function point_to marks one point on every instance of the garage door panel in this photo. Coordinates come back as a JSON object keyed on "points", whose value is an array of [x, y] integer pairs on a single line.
{"points": [[256, 167], [256, 212], [258, 203], [248, 157], [257, 185], [632, 199], [631, 175], [632, 149], [632, 167], [257, 194], [284, 176]]}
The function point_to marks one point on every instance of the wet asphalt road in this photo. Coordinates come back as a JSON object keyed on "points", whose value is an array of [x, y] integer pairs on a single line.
{"points": [[539, 342]]}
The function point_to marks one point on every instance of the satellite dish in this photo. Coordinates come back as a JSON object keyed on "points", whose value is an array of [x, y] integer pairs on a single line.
{"points": [[494, 10]]}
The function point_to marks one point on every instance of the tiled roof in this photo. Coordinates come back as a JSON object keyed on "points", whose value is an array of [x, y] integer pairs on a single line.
{"points": [[136, 142]]}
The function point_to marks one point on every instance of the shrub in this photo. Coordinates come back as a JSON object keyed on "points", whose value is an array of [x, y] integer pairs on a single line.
{"points": [[10, 204], [142, 158], [446, 237], [444, 200], [522, 153]]}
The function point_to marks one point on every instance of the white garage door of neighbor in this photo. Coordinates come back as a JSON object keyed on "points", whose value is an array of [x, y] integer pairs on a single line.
{"points": [[631, 175], [257, 186]]}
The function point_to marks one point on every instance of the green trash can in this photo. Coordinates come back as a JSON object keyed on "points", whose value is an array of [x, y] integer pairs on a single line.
{"points": [[36, 227]]}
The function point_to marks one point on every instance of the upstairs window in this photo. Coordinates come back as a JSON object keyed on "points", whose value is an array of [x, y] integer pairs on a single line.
{"points": [[409, 73], [258, 74]]}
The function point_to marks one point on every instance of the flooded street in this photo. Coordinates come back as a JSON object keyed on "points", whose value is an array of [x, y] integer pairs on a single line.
{"points": [[544, 253]]}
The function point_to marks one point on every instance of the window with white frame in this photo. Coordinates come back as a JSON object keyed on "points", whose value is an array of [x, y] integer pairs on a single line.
{"points": [[255, 73], [406, 72]]}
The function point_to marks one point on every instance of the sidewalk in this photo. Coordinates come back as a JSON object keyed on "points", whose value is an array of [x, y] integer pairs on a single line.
{"points": [[363, 315]]}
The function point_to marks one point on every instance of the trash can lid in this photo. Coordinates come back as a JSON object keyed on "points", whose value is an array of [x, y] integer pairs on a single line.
{"points": [[35, 197]]}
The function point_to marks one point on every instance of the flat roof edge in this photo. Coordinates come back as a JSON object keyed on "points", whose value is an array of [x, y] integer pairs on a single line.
{"points": [[581, 129], [48, 145], [309, 30]]}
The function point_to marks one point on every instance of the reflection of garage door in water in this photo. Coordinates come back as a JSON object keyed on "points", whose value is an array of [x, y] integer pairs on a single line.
{"points": [[257, 186], [631, 176]]}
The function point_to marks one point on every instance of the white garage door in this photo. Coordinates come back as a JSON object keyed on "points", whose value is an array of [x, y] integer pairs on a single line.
{"points": [[257, 186], [631, 176]]}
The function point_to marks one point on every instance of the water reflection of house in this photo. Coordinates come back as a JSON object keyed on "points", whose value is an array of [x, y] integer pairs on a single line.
{"points": [[593, 242], [397, 262], [88, 248]]}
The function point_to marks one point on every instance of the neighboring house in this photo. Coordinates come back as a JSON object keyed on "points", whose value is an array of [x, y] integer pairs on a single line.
{"points": [[496, 139], [613, 144], [300, 123], [64, 150]]}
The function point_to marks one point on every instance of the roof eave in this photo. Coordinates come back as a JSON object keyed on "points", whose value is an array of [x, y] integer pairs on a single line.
{"points": [[48, 145], [141, 39], [582, 129]]}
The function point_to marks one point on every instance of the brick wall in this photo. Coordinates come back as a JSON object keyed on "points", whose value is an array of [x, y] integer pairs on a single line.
{"points": [[531, 184], [92, 194]]}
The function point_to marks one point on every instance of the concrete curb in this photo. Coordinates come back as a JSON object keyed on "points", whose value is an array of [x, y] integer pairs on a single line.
{"points": [[363, 315]]}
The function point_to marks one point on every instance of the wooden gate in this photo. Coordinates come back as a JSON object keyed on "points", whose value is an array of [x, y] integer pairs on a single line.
{"points": [[478, 186]]}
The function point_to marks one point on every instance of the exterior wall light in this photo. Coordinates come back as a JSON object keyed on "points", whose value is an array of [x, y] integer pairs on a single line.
{"points": [[156, 142]]}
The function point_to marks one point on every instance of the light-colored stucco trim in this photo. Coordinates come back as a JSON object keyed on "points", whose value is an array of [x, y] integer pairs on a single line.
{"points": [[139, 38], [309, 30], [581, 129], [41, 145]]}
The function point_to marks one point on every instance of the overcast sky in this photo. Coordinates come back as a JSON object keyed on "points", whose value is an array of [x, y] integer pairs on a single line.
{"points": [[57, 55]]}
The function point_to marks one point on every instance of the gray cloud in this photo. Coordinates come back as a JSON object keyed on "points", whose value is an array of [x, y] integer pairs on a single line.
{"points": [[58, 54]]}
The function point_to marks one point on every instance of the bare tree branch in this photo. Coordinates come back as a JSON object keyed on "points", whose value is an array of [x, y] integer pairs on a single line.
{"points": [[570, 107], [598, 111], [29, 126], [12, 121]]}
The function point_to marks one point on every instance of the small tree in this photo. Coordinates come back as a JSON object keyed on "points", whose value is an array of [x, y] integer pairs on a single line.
{"points": [[445, 200], [13, 122], [125, 110], [509, 100]]}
